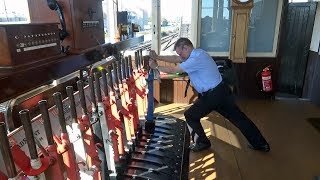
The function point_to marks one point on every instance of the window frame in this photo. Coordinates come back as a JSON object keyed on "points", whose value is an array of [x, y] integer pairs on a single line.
{"points": [[195, 22]]}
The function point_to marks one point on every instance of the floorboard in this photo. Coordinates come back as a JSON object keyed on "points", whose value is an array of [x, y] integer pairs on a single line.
{"points": [[295, 143]]}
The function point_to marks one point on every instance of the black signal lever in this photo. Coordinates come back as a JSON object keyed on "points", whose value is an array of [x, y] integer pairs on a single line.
{"points": [[54, 5]]}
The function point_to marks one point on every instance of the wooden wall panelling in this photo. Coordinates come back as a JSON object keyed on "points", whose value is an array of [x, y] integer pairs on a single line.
{"points": [[166, 91], [4, 50], [156, 93], [172, 90], [169, 90], [84, 21], [165, 94], [247, 81], [178, 90], [37, 15]]}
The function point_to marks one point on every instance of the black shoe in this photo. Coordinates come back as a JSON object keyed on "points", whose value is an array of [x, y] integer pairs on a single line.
{"points": [[263, 148], [199, 146]]}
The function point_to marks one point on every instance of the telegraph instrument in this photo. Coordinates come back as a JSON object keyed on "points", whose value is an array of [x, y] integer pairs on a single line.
{"points": [[26, 44]]}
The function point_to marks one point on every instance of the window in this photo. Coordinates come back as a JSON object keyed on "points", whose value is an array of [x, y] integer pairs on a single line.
{"points": [[10, 12], [215, 25], [216, 17], [139, 12], [134, 11], [262, 26], [175, 22]]}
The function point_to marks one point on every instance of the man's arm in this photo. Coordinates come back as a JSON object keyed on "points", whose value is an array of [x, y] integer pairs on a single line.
{"points": [[167, 69], [170, 59], [170, 69]]}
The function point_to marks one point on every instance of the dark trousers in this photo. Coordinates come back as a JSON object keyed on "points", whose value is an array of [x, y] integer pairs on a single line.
{"points": [[222, 100]]}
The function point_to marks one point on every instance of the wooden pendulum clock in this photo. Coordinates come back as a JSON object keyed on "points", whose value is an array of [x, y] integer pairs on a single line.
{"points": [[240, 26]]}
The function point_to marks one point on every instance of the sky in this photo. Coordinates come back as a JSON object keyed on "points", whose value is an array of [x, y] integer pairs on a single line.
{"points": [[20, 7], [170, 9]]}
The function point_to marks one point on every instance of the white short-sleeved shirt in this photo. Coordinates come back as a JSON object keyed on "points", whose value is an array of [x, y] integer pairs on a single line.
{"points": [[202, 70]]}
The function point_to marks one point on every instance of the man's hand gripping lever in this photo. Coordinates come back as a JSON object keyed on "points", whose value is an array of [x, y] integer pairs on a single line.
{"points": [[154, 65]]}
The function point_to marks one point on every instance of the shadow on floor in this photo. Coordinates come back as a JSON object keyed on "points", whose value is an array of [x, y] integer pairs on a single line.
{"points": [[315, 122]]}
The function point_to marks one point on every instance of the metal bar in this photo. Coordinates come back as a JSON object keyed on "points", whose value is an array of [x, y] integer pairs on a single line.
{"points": [[77, 136], [109, 82], [130, 66], [92, 95], [115, 74], [43, 105], [141, 58], [150, 115], [82, 97], [96, 127], [107, 140], [42, 149], [119, 70], [134, 176], [6, 152], [136, 59], [35, 161], [73, 110], [128, 43], [126, 67], [104, 82], [149, 161], [26, 123], [97, 83], [58, 101], [123, 68], [55, 169]]}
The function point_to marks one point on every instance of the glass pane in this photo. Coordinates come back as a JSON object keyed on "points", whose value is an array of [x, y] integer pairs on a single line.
{"points": [[137, 12], [262, 26], [215, 25], [11, 12], [175, 22]]}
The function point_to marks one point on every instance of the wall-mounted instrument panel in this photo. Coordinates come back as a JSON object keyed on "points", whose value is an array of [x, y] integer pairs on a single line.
{"points": [[25, 44], [83, 20]]}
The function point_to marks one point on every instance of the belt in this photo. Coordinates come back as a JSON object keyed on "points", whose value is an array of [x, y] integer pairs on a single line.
{"points": [[210, 90]]}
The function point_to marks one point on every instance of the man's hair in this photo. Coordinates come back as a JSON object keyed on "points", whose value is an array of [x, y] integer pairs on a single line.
{"points": [[181, 42]]}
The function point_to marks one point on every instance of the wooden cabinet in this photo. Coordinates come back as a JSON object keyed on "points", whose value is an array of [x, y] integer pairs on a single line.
{"points": [[240, 27], [172, 90]]}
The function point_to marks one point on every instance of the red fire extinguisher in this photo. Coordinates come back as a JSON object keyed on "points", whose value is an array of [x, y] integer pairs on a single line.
{"points": [[266, 79]]}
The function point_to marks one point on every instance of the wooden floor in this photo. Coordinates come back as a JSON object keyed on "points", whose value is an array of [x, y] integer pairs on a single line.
{"points": [[295, 143]]}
